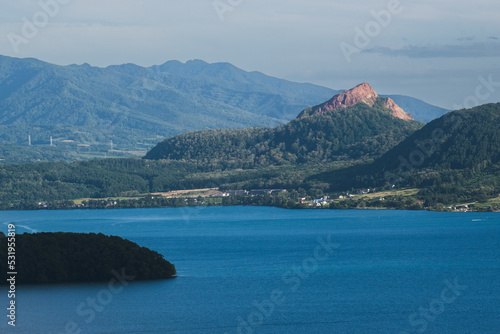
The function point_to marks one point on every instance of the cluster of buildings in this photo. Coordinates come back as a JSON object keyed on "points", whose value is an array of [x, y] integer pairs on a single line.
{"points": [[316, 202], [253, 192]]}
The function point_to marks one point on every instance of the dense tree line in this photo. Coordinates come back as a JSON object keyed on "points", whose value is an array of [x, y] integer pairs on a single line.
{"points": [[94, 178], [78, 257]]}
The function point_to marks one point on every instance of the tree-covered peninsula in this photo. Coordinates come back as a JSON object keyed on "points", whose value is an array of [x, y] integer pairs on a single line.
{"points": [[78, 257]]}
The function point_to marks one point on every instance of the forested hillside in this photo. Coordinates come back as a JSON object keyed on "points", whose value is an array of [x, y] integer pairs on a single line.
{"points": [[348, 134], [454, 158]]}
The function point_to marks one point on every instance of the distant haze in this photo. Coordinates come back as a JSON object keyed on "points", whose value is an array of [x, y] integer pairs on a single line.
{"points": [[443, 52]]}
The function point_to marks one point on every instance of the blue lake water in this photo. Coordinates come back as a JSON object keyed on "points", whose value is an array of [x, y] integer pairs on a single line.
{"points": [[268, 270]]}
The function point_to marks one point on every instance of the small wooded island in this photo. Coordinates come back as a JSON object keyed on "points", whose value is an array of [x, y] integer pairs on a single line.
{"points": [[80, 257]]}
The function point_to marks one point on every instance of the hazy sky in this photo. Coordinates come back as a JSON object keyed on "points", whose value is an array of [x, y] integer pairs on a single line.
{"points": [[446, 52]]}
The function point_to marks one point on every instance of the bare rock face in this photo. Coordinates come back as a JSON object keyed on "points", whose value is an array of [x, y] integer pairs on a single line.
{"points": [[362, 93], [396, 110]]}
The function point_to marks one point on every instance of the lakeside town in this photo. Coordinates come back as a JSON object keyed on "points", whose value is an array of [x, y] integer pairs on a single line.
{"points": [[402, 199]]}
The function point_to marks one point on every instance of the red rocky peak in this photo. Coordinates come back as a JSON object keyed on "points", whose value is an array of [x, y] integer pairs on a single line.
{"points": [[361, 93]]}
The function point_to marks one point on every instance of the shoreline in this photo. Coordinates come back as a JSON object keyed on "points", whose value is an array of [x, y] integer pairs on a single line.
{"points": [[405, 198], [298, 206]]}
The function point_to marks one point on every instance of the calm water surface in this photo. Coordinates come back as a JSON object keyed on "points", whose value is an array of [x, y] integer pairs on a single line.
{"points": [[268, 270]]}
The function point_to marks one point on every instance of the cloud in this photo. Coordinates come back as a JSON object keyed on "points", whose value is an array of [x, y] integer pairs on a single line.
{"points": [[493, 38], [475, 50]]}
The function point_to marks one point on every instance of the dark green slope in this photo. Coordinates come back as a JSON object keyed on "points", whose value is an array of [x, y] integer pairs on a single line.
{"points": [[461, 139], [341, 135], [453, 158]]}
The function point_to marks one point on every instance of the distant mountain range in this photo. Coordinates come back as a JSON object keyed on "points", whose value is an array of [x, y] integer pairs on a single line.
{"points": [[134, 106], [84, 108]]}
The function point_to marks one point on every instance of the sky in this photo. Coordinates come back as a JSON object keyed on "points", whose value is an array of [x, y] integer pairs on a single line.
{"points": [[445, 52]]}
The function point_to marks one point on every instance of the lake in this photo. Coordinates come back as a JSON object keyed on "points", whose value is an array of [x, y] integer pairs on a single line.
{"points": [[269, 270]]}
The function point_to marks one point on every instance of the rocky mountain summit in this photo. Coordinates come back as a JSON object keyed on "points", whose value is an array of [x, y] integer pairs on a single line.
{"points": [[362, 93]]}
